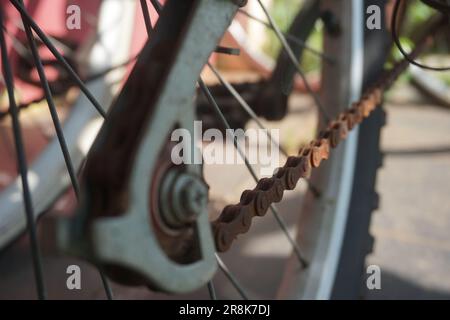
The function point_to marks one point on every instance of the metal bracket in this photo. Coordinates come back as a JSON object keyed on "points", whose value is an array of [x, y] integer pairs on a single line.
{"points": [[113, 226]]}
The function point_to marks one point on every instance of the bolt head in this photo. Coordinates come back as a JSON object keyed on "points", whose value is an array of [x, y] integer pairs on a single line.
{"points": [[185, 197], [195, 197]]}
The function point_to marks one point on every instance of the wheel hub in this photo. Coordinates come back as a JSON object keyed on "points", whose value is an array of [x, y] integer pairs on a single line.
{"points": [[183, 196]]}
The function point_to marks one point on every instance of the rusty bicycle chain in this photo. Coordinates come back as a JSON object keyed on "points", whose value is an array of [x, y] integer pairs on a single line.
{"points": [[236, 219]]}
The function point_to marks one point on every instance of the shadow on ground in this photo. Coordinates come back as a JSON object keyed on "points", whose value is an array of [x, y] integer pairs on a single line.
{"points": [[394, 286]]}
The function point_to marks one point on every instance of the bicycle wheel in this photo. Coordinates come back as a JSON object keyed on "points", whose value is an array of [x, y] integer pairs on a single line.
{"points": [[113, 227], [333, 229]]}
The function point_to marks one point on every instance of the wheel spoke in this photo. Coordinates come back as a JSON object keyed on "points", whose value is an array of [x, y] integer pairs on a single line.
{"points": [[58, 44], [56, 122], [282, 224], [87, 80], [106, 286], [52, 108], [22, 164], [102, 73], [146, 14], [221, 116], [16, 44], [279, 219], [315, 190], [290, 37], [58, 56], [231, 278], [211, 290], [158, 6], [245, 106], [287, 48]]}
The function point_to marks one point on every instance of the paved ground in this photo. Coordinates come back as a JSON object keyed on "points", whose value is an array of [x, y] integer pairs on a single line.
{"points": [[411, 227]]}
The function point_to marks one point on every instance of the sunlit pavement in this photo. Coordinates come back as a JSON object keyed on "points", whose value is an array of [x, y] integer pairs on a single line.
{"points": [[411, 228]]}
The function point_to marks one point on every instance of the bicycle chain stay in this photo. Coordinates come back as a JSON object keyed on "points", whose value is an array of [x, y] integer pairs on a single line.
{"points": [[132, 206], [236, 219]]}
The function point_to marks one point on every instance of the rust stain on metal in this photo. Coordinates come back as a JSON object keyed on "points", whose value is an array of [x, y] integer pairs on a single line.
{"points": [[236, 219]]}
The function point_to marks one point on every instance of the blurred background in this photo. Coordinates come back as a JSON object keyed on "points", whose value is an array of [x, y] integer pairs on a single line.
{"points": [[412, 223]]}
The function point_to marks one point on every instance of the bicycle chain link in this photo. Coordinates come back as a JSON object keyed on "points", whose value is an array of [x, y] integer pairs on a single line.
{"points": [[236, 219]]}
